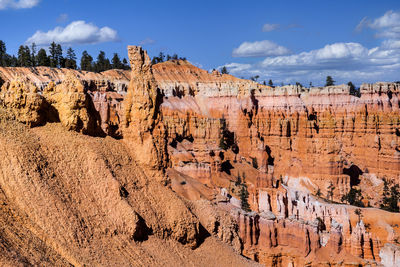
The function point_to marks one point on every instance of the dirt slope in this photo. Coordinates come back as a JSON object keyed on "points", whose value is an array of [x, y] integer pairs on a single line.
{"points": [[69, 199]]}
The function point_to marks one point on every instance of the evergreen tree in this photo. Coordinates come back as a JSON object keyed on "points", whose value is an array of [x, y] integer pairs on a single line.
{"points": [[224, 70], [254, 78], [354, 197], [391, 196], [239, 180], [318, 193], [3, 54], [125, 64], [330, 190], [53, 55], [33, 54], [102, 63], [158, 59], [24, 56], [42, 59], [11, 61], [70, 60], [359, 214], [244, 196], [59, 57], [329, 81], [86, 61], [353, 90], [116, 62], [270, 83]]}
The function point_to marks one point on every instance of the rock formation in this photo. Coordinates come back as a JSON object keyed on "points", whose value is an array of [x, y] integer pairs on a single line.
{"points": [[22, 101], [142, 118], [192, 141]]}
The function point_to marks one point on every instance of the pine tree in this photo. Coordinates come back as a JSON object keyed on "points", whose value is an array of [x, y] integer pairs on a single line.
{"points": [[244, 196], [24, 56], [239, 180], [224, 70], [59, 57], [330, 190], [125, 64], [70, 61], [359, 214], [42, 59], [12, 61], [102, 63], [116, 62], [3, 54], [33, 54], [391, 196], [86, 61], [354, 197], [53, 55], [329, 81], [318, 193]]}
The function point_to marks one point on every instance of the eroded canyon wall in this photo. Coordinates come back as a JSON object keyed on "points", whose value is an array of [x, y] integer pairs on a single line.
{"points": [[205, 135]]}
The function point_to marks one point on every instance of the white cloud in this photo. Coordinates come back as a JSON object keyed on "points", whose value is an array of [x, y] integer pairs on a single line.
{"points": [[147, 41], [259, 49], [62, 18], [348, 61], [387, 26], [18, 4], [343, 61], [270, 27], [363, 24], [77, 32]]}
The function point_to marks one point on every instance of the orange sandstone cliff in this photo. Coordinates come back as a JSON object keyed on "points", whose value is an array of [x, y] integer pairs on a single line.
{"points": [[191, 141]]}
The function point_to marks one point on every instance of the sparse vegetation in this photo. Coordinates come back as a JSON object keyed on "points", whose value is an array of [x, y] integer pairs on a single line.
{"points": [[353, 90], [359, 214], [254, 78], [354, 197], [329, 81], [390, 197], [318, 193], [227, 138], [244, 196], [162, 57], [224, 70], [330, 189]]}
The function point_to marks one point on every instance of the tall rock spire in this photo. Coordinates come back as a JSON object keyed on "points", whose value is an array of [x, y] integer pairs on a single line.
{"points": [[143, 127]]}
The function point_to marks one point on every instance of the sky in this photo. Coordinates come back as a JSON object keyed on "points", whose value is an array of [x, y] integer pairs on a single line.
{"points": [[285, 41]]}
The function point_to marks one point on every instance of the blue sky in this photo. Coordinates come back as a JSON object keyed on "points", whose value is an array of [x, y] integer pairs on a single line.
{"points": [[286, 41]]}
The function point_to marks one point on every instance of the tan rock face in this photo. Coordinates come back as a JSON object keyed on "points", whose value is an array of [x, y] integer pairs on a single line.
{"points": [[142, 118], [22, 100], [73, 105]]}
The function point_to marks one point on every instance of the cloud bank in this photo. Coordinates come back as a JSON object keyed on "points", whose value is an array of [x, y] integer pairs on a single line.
{"points": [[345, 61], [259, 49], [19, 4], [270, 27], [77, 32]]}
